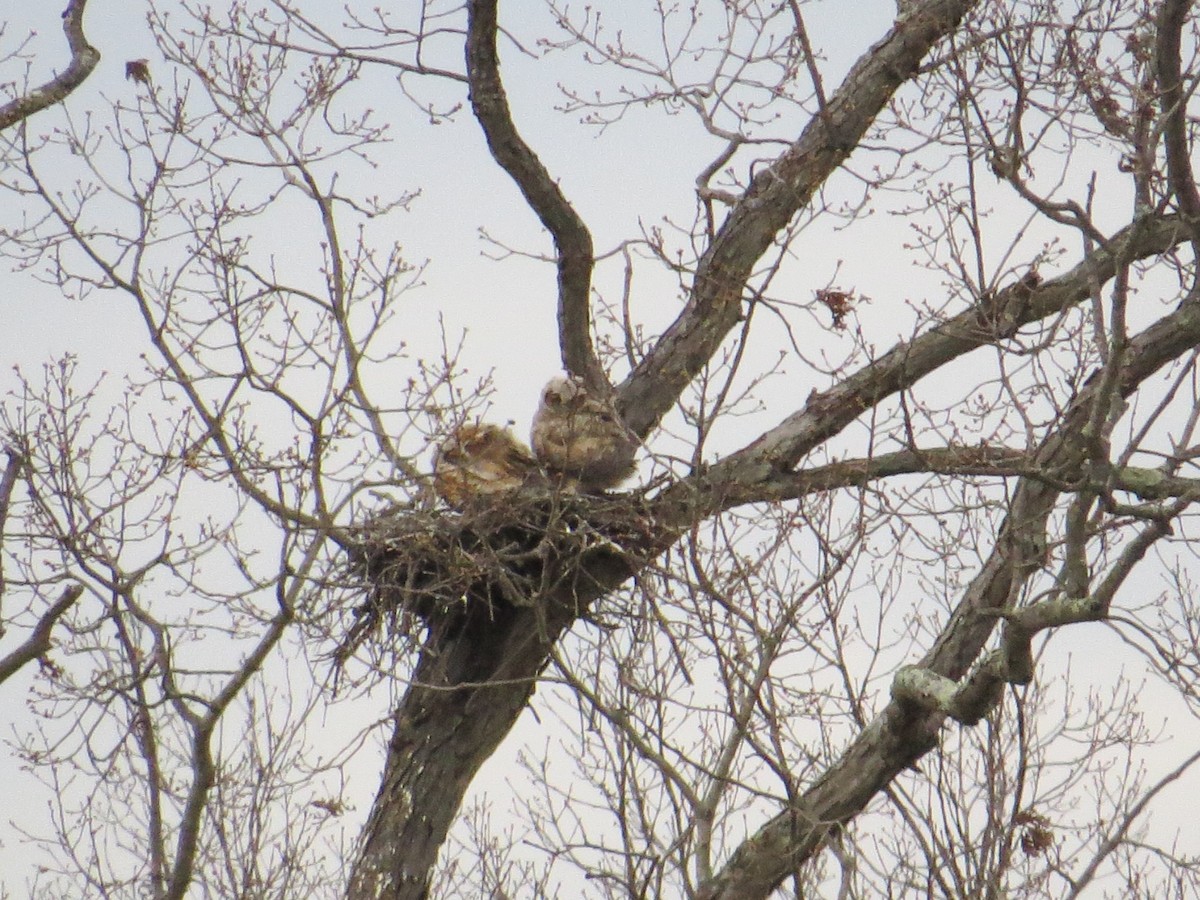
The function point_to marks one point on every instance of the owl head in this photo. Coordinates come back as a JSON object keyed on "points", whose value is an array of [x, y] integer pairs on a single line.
{"points": [[564, 390], [569, 395], [469, 442]]}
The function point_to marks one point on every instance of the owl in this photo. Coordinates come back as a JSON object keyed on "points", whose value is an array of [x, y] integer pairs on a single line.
{"points": [[582, 436], [480, 461]]}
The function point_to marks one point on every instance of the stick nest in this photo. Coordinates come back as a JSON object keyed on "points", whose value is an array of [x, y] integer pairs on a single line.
{"points": [[435, 567]]}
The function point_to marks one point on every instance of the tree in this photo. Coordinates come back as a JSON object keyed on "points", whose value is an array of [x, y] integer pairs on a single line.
{"points": [[912, 353], [83, 60]]}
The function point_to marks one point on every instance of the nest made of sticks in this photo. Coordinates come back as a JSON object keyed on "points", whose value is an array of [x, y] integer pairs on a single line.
{"points": [[430, 566]]}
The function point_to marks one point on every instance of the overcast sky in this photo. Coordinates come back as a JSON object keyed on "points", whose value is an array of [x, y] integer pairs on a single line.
{"points": [[623, 181]]}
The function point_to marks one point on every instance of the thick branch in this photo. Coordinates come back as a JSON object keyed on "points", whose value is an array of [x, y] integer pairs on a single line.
{"points": [[83, 59], [765, 466], [38, 643], [774, 196], [954, 460], [972, 698], [1171, 20], [978, 460], [572, 240], [904, 731]]}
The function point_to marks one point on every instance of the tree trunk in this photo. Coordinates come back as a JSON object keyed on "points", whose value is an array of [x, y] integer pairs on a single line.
{"points": [[476, 673]]}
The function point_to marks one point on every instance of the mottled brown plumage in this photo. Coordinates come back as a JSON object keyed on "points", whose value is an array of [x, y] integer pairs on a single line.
{"points": [[479, 462], [582, 436]]}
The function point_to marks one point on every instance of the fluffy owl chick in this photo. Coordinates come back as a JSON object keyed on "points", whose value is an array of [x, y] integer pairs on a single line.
{"points": [[582, 436], [480, 461]]}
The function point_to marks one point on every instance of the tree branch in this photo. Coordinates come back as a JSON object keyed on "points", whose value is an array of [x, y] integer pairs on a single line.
{"points": [[8, 482], [775, 195], [83, 59], [978, 460], [761, 468], [1170, 24], [38, 643], [904, 731], [572, 240], [1121, 828]]}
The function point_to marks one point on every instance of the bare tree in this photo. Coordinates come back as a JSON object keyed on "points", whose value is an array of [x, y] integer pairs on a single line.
{"points": [[820, 644], [83, 60]]}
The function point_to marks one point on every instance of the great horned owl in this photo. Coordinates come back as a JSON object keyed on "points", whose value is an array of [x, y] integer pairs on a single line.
{"points": [[480, 461], [582, 436]]}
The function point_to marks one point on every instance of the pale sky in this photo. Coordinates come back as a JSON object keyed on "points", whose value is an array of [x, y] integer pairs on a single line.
{"points": [[641, 169]]}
